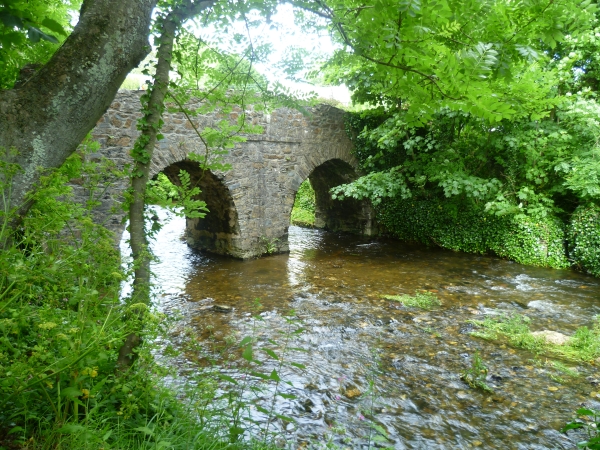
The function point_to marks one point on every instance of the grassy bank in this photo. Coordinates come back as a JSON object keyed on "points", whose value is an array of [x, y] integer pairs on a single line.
{"points": [[62, 323]]}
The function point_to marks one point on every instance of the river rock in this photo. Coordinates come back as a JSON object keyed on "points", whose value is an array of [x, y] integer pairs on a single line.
{"points": [[351, 392], [222, 308], [553, 337]]}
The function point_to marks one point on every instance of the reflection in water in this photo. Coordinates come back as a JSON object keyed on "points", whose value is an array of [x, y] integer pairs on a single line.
{"points": [[334, 283]]}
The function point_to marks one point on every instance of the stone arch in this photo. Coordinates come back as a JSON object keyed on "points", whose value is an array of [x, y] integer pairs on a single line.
{"points": [[219, 231], [348, 215]]}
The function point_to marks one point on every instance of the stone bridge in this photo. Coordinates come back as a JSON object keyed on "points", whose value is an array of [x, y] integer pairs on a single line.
{"points": [[250, 205]]}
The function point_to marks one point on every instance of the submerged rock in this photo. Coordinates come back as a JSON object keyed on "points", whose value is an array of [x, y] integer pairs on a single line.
{"points": [[552, 337], [542, 305], [223, 308], [351, 392]]}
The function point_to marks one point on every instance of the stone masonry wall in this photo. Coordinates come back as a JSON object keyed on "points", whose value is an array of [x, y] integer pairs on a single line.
{"points": [[267, 169]]}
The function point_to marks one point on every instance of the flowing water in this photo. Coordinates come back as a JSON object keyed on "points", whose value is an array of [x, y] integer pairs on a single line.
{"points": [[379, 374]]}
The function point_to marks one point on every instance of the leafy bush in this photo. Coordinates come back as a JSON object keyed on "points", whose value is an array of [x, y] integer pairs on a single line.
{"points": [[160, 191], [465, 184], [178, 198], [62, 324], [60, 316], [583, 236], [589, 421], [538, 242]]}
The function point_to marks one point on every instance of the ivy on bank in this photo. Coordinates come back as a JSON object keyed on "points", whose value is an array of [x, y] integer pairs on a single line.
{"points": [[584, 238], [470, 229]]}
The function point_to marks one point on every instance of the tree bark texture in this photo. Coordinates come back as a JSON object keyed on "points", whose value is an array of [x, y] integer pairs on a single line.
{"points": [[142, 155], [47, 117]]}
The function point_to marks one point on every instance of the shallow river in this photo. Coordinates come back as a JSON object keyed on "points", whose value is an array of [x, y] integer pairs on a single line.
{"points": [[379, 374]]}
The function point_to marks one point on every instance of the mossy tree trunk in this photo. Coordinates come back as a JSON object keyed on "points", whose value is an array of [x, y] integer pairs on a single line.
{"points": [[153, 107], [46, 117]]}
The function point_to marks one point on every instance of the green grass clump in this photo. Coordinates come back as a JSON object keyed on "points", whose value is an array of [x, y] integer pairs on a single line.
{"points": [[302, 218], [475, 375], [584, 344], [421, 299]]}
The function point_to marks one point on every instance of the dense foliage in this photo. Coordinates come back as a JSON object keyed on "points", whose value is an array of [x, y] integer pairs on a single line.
{"points": [[464, 227], [29, 33], [62, 323], [482, 136], [60, 316], [510, 189], [584, 238], [517, 187], [478, 57]]}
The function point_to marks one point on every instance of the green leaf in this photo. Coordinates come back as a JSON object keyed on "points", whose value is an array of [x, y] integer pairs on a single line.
{"points": [[287, 396], [285, 418], [71, 392], [35, 35], [274, 376], [227, 378], [262, 376], [271, 353], [10, 20], [144, 429], [379, 429], [263, 410], [245, 341], [54, 26], [71, 428], [247, 353], [572, 426]]}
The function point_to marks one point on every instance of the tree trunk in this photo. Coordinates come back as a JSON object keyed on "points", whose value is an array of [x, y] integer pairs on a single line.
{"points": [[47, 117], [142, 155]]}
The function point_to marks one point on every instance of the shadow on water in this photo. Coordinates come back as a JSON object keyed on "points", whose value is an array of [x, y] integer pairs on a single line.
{"points": [[413, 358]]}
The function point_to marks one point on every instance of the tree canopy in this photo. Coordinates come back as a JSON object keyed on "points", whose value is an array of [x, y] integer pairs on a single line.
{"points": [[29, 32], [480, 57]]}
